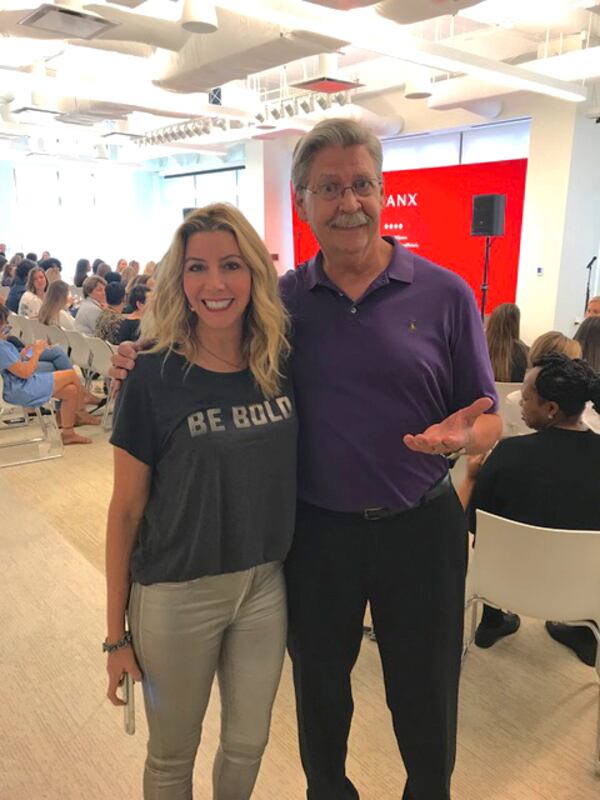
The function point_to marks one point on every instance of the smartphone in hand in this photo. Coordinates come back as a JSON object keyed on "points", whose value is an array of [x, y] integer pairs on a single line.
{"points": [[129, 707]]}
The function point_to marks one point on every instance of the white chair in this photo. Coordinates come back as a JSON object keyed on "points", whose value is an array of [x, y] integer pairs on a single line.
{"points": [[538, 572], [80, 349], [40, 447], [38, 329], [26, 331], [100, 363], [56, 336], [15, 323], [504, 389]]}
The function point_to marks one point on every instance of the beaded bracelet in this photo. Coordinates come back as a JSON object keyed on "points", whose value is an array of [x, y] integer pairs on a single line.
{"points": [[125, 641]]}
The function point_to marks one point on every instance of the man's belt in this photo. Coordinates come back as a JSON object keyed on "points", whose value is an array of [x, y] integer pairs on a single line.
{"points": [[384, 512]]}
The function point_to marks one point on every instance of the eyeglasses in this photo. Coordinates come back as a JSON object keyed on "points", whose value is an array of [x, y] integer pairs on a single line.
{"points": [[331, 190]]}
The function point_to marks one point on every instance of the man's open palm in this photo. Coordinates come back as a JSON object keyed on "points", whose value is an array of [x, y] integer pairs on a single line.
{"points": [[453, 433]]}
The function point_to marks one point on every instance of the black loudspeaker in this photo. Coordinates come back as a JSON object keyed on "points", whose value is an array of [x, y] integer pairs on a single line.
{"points": [[488, 215]]}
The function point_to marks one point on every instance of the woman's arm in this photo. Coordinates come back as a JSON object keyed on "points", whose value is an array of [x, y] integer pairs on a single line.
{"points": [[25, 369], [130, 495]]}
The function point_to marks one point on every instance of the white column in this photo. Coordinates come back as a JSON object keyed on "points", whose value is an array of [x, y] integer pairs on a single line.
{"points": [[265, 196], [561, 221]]}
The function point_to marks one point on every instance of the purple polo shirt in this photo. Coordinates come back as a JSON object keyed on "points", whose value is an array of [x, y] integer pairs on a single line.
{"points": [[405, 355]]}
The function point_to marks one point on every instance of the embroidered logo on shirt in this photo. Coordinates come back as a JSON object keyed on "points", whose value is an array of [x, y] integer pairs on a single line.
{"points": [[412, 326]]}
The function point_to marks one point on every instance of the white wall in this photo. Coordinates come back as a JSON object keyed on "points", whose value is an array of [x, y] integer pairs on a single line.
{"points": [[561, 222], [81, 210]]}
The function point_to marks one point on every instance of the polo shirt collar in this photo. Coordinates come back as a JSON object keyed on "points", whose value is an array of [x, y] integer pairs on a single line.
{"points": [[400, 268]]}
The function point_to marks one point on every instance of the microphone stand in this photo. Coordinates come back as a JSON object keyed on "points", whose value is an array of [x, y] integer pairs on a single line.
{"points": [[589, 280], [485, 282]]}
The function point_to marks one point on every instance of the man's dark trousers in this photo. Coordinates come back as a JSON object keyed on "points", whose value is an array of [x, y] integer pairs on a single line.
{"points": [[411, 568]]}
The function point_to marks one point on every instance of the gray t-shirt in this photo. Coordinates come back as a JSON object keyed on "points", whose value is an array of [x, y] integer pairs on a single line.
{"points": [[223, 458]]}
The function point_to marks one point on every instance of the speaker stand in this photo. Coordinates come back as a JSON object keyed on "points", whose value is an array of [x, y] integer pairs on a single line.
{"points": [[486, 270]]}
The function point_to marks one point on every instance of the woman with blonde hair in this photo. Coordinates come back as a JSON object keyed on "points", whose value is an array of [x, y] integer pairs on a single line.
{"points": [[35, 291], [54, 308], [203, 506], [150, 268], [128, 275], [554, 342], [508, 353]]}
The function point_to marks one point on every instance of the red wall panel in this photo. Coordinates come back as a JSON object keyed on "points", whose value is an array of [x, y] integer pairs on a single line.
{"points": [[429, 211]]}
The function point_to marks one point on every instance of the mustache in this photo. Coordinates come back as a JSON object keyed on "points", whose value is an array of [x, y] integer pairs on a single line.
{"points": [[350, 220]]}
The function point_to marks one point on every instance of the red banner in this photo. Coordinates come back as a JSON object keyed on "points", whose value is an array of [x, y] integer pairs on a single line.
{"points": [[429, 211]]}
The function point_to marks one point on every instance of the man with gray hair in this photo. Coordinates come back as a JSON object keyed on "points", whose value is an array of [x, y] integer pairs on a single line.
{"points": [[392, 376], [385, 345]]}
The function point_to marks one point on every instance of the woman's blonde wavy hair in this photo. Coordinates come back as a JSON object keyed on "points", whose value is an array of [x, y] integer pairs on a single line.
{"points": [[169, 321]]}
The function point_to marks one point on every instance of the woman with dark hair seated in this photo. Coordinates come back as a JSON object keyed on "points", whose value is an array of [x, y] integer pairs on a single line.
{"points": [[81, 272], [129, 329], [549, 479]]}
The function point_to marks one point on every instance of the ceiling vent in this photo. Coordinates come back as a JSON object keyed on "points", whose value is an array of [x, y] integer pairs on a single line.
{"points": [[66, 22], [327, 81]]}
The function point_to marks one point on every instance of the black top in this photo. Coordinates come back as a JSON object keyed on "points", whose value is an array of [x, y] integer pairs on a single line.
{"points": [[17, 290], [128, 331], [223, 460], [550, 479]]}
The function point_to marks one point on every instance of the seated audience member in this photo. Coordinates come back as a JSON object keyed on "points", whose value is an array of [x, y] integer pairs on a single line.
{"points": [[112, 277], [50, 263], [32, 257], [135, 266], [3, 269], [10, 269], [129, 328], [121, 264], [109, 321], [35, 291], [142, 280], [508, 353], [19, 285], [150, 268], [45, 255], [81, 270], [52, 274], [92, 305], [548, 479], [588, 336], [2, 249], [593, 309], [127, 276], [96, 263], [550, 342], [25, 386], [103, 270], [54, 308]]}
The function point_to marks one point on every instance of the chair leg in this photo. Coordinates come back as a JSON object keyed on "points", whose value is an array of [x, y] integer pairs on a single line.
{"points": [[598, 725]]}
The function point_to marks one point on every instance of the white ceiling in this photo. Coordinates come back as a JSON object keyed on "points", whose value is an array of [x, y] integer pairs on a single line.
{"points": [[148, 76]]}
